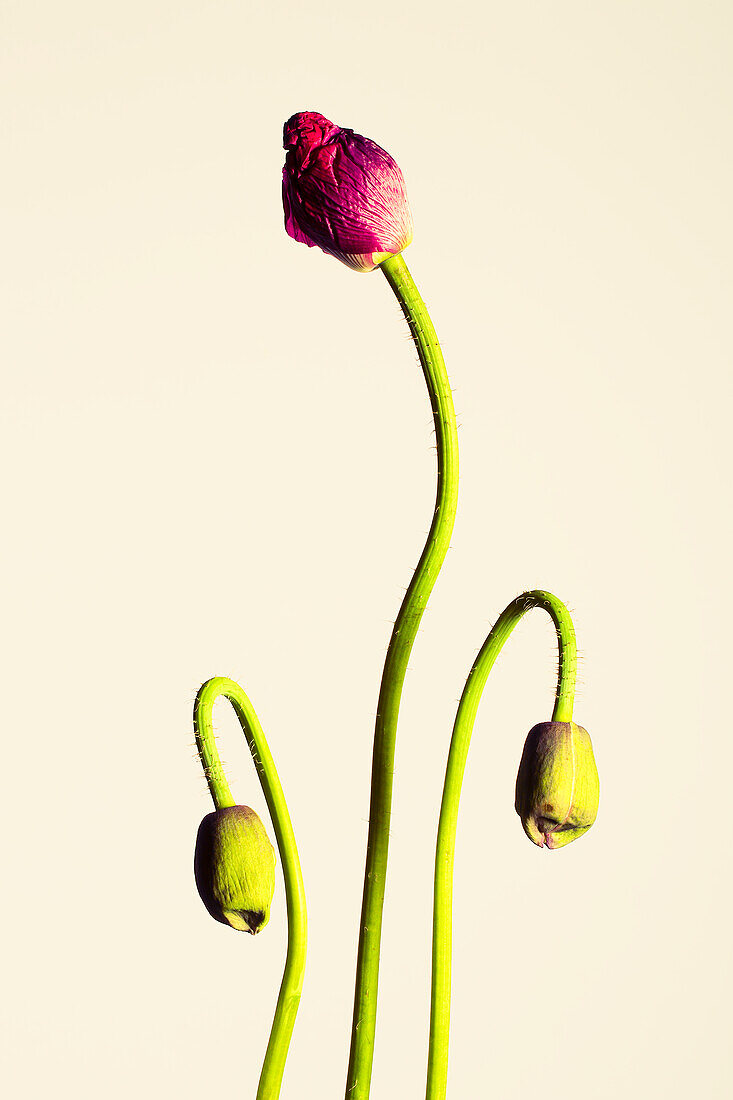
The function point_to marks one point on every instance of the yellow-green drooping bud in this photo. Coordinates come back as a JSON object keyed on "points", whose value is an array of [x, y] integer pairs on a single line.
{"points": [[557, 784], [234, 867]]}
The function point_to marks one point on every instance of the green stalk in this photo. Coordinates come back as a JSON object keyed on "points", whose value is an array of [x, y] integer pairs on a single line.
{"points": [[292, 980], [445, 848], [395, 667]]}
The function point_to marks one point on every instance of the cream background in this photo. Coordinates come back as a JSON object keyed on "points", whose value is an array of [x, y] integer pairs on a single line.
{"points": [[218, 460]]}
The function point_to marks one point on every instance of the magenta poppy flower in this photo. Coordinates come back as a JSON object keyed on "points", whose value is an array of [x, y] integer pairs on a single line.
{"points": [[343, 192]]}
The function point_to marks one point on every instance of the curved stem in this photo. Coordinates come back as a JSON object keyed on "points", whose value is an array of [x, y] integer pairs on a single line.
{"points": [[292, 980], [395, 667], [445, 848]]}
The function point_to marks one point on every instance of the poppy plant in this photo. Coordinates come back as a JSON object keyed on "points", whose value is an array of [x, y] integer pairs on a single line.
{"points": [[344, 194]]}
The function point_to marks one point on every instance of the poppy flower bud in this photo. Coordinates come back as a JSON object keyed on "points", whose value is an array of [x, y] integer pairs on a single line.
{"points": [[234, 868], [343, 192], [557, 784]]}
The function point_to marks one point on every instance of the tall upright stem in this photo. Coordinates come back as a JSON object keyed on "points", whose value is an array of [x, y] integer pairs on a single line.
{"points": [[446, 844], [292, 980], [395, 667]]}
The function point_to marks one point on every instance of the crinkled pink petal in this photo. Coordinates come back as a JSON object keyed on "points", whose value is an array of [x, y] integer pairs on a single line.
{"points": [[342, 192]]}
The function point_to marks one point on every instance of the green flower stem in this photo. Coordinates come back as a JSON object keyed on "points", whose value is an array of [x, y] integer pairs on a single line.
{"points": [[292, 981], [395, 667], [445, 849]]}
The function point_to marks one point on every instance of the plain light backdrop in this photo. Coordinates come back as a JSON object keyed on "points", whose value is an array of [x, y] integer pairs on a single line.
{"points": [[218, 460]]}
